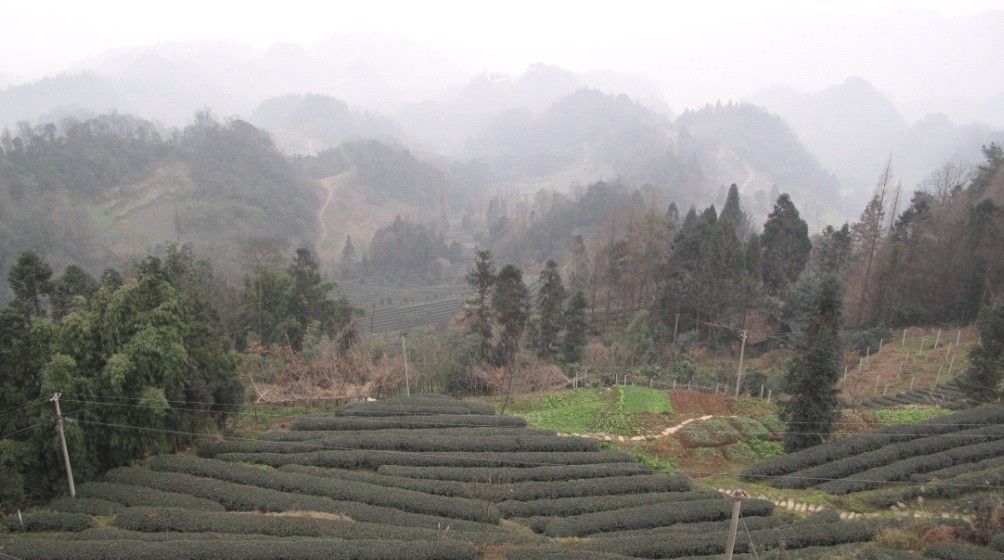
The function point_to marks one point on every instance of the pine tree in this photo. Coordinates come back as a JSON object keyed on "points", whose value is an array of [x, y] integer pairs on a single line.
{"points": [[348, 258], [511, 303], [30, 279], [982, 382], [481, 279], [812, 378], [576, 325], [785, 245], [550, 305]]}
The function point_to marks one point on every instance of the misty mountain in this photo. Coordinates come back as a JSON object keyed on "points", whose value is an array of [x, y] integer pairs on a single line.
{"points": [[853, 129], [99, 191], [308, 124], [588, 129], [447, 123], [743, 144]]}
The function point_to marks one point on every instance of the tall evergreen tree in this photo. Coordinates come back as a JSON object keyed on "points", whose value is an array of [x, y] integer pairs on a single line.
{"points": [[550, 306], [73, 282], [984, 380], [511, 303], [811, 380], [785, 245], [30, 279], [482, 279], [576, 324]]}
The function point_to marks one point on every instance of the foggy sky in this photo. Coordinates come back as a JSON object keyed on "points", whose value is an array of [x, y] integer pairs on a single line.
{"points": [[697, 52]]}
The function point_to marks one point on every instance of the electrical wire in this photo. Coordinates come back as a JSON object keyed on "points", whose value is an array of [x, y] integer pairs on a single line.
{"points": [[748, 536], [434, 424], [33, 426], [519, 462]]}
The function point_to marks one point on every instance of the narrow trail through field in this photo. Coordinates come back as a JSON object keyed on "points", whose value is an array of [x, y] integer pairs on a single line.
{"points": [[322, 228], [663, 434]]}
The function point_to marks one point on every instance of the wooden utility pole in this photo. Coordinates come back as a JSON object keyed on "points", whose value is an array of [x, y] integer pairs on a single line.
{"points": [[737, 497], [62, 441], [404, 354], [739, 372]]}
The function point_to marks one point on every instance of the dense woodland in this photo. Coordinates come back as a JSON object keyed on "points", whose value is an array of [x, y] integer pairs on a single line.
{"points": [[209, 242]]}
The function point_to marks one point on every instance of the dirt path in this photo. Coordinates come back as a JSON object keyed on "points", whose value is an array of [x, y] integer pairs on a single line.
{"points": [[322, 227], [749, 178]]}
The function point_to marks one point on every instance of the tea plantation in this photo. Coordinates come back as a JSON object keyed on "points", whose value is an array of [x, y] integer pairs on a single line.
{"points": [[430, 477]]}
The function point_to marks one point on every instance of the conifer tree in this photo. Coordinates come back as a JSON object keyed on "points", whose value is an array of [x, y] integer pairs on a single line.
{"points": [[785, 245], [511, 302], [576, 326], [982, 381], [812, 378], [550, 306], [481, 279]]}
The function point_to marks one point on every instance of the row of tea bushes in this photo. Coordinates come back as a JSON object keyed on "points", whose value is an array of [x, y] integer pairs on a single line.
{"points": [[423, 441], [901, 470], [244, 548], [48, 521], [562, 507], [177, 520], [87, 506], [505, 475], [418, 404], [373, 459], [653, 515], [964, 468], [854, 445], [957, 551], [637, 484], [243, 497], [961, 485], [132, 495], [799, 535], [346, 490], [413, 421], [307, 435]]}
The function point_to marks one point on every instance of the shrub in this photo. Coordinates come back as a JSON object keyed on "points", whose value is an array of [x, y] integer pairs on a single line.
{"points": [[352, 491], [925, 447], [654, 515], [89, 506], [48, 521], [901, 470], [554, 553], [854, 445], [548, 473], [424, 421], [372, 459], [243, 549], [242, 497], [799, 535], [409, 440], [563, 507], [307, 435], [186, 521], [637, 484], [957, 551], [130, 495]]}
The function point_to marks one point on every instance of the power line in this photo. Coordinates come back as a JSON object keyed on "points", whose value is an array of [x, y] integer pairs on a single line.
{"points": [[5, 436], [447, 424], [693, 474]]}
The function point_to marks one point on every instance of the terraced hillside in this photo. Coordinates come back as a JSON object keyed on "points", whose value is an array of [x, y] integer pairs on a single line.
{"points": [[425, 477]]}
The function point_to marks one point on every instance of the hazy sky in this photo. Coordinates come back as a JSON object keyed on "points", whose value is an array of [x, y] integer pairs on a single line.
{"points": [[717, 43]]}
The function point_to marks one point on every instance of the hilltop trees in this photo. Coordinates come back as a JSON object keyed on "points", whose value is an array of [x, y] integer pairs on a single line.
{"points": [[550, 303]]}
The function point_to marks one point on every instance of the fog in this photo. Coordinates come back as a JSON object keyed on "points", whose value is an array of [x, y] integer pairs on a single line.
{"points": [[926, 57]]}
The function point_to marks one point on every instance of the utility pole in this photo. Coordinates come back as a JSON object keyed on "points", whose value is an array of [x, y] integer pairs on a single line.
{"points": [[739, 372], [404, 354], [62, 441], [676, 324], [737, 497]]}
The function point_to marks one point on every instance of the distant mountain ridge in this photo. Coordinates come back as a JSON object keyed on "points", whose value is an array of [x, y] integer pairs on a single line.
{"points": [[853, 129]]}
